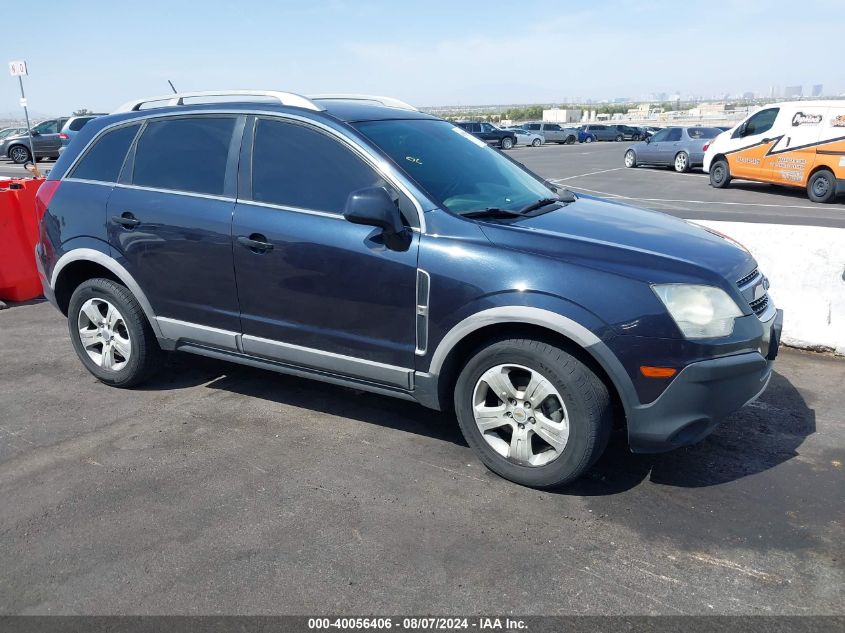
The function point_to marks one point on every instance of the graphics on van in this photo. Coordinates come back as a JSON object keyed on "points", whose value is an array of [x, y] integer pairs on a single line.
{"points": [[806, 119]]}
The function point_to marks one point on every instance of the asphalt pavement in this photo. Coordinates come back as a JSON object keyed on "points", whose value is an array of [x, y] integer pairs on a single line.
{"points": [[598, 169], [223, 489]]}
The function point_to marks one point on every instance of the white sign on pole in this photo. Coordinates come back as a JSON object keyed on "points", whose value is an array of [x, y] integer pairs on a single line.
{"points": [[23, 102], [17, 68]]}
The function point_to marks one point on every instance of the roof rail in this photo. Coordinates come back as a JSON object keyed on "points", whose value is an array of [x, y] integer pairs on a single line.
{"points": [[285, 98], [390, 102]]}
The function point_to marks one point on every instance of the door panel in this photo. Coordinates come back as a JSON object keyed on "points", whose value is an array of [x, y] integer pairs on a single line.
{"points": [[791, 159], [327, 285], [750, 160], [319, 291], [180, 253], [170, 220]]}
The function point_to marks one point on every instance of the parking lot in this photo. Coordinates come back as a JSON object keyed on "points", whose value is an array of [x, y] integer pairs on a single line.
{"points": [[222, 489]]}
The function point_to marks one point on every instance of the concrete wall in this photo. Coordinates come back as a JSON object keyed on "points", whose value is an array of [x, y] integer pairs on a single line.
{"points": [[805, 265]]}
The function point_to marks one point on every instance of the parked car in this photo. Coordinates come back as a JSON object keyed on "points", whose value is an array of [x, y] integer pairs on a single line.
{"points": [[489, 133], [629, 132], [793, 143], [586, 137], [407, 258], [525, 137], [45, 140], [71, 127], [603, 132], [680, 147], [11, 131], [552, 132]]}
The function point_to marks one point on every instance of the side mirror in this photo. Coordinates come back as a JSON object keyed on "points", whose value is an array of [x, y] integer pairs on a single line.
{"points": [[35, 133], [647, 139], [373, 206]]}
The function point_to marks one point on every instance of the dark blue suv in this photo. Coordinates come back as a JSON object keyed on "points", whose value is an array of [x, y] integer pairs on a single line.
{"points": [[358, 241]]}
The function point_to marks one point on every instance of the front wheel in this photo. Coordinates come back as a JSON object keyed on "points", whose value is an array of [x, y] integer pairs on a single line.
{"points": [[635, 137], [532, 412], [535, 143], [507, 143], [589, 139], [111, 334], [570, 140], [630, 159], [822, 186], [19, 154], [619, 138], [720, 174], [681, 162]]}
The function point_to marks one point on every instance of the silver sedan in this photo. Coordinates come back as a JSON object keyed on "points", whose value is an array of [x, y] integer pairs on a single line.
{"points": [[678, 147], [525, 137]]}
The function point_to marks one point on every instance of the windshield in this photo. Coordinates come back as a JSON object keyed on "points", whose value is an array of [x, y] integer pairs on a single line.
{"points": [[461, 172]]}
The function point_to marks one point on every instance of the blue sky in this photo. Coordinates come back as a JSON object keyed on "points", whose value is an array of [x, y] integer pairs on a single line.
{"points": [[103, 53]]}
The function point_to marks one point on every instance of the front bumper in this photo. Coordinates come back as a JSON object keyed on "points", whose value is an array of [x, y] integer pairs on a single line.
{"points": [[702, 395]]}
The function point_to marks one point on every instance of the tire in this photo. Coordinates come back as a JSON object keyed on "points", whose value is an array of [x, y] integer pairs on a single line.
{"points": [[575, 414], [681, 162], [507, 142], [635, 137], [536, 143], [589, 139], [134, 354], [720, 174], [822, 186], [19, 154], [570, 140], [619, 138], [630, 158]]}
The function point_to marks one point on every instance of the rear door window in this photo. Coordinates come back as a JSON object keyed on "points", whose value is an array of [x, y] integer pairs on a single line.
{"points": [[674, 134], [297, 166], [185, 154], [104, 160], [78, 124]]}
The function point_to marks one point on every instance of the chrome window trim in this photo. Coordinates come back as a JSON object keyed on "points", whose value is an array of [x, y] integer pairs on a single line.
{"points": [[86, 181], [281, 207], [381, 165], [177, 192]]}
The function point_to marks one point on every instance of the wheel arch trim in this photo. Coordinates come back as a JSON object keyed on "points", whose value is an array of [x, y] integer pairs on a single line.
{"points": [[111, 264], [559, 323]]}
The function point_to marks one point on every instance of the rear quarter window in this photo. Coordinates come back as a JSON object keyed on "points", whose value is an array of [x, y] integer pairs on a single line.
{"points": [[104, 160]]}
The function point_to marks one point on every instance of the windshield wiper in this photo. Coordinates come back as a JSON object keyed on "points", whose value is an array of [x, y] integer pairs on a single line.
{"points": [[543, 202], [491, 212]]}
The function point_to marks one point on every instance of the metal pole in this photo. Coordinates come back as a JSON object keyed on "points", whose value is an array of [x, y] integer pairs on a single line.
{"points": [[26, 114]]}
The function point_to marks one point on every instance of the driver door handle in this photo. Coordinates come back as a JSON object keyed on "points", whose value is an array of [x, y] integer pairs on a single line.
{"points": [[126, 219], [256, 242]]}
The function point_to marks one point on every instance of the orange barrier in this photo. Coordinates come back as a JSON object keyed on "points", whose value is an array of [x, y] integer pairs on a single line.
{"points": [[18, 235]]}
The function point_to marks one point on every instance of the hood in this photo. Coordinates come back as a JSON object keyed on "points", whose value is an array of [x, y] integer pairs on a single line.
{"points": [[616, 236]]}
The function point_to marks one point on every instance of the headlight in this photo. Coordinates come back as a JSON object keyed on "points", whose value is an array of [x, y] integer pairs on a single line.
{"points": [[699, 311]]}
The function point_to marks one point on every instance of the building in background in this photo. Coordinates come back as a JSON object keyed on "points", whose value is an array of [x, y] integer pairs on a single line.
{"points": [[817, 90], [791, 92], [560, 115]]}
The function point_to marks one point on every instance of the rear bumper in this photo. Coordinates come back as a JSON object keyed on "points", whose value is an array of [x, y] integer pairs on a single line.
{"points": [[702, 395]]}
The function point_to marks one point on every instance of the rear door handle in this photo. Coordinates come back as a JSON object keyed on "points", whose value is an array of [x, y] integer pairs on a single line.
{"points": [[126, 219], [256, 242]]}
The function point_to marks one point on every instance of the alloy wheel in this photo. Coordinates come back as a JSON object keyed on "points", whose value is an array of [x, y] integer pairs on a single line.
{"points": [[521, 415], [104, 335], [19, 154], [680, 162]]}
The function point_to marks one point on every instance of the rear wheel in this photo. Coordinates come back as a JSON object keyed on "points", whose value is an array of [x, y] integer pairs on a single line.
{"points": [[630, 158], [570, 140], [681, 162], [822, 186], [720, 174], [19, 154], [507, 142], [111, 334], [532, 412]]}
